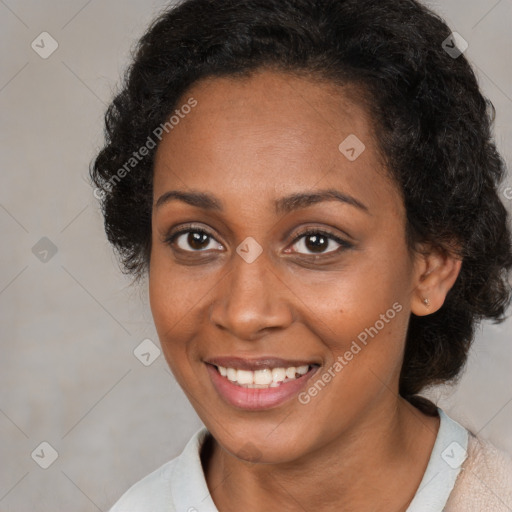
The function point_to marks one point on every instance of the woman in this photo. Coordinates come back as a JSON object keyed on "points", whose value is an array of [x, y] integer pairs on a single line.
{"points": [[311, 189]]}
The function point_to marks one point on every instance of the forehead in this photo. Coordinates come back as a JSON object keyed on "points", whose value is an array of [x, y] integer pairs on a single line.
{"points": [[271, 134]]}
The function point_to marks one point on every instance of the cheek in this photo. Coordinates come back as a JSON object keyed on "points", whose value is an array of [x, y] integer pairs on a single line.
{"points": [[343, 304], [165, 309], [173, 291], [364, 344], [361, 316], [166, 306], [179, 305]]}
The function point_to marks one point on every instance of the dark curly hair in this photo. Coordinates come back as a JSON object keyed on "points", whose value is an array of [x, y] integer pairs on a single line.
{"points": [[431, 122]]}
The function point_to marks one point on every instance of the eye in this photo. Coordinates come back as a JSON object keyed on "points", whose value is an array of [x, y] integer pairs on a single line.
{"points": [[193, 240], [314, 241]]}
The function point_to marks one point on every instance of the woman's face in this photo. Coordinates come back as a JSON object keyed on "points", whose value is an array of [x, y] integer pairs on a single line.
{"points": [[255, 164]]}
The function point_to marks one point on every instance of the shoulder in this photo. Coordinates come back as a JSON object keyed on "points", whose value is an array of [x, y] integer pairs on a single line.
{"points": [[484, 481]]}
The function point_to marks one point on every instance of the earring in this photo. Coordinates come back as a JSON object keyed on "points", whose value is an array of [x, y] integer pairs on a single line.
{"points": [[426, 302]]}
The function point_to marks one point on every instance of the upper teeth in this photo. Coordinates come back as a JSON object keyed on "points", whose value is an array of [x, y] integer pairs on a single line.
{"points": [[266, 377]]}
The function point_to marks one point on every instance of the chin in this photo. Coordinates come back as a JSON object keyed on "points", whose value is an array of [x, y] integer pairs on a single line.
{"points": [[262, 445]]}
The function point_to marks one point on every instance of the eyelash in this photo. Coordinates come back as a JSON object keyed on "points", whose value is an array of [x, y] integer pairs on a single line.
{"points": [[308, 231], [331, 236]]}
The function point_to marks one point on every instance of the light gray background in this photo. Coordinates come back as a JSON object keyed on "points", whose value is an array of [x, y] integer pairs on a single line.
{"points": [[68, 374]]}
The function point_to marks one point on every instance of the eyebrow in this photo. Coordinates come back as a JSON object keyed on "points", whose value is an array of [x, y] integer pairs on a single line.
{"points": [[305, 199], [282, 205], [198, 199]]}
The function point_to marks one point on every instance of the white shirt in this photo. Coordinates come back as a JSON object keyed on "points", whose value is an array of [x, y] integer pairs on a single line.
{"points": [[180, 486]]}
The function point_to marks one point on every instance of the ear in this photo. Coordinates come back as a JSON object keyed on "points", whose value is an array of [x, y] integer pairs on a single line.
{"points": [[435, 273]]}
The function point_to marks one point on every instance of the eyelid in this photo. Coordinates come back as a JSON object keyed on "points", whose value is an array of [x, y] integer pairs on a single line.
{"points": [[172, 235], [317, 230], [321, 231]]}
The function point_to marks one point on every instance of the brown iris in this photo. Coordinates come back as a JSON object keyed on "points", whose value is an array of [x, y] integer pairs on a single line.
{"points": [[198, 240], [316, 243]]}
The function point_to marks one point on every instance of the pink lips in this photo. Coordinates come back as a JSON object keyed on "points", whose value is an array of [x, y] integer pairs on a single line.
{"points": [[254, 398]]}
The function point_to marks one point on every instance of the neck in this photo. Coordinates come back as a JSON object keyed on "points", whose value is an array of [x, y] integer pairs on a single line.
{"points": [[377, 465]]}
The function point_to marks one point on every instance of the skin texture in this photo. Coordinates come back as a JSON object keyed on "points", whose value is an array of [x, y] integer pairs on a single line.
{"points": [[356, 445]]}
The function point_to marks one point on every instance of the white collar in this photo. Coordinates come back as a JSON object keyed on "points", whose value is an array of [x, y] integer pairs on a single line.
{"points": [[188, 484], [448, 454]]}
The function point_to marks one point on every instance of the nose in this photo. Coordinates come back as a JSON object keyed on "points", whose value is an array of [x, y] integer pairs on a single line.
{"points": [[251, 300]]}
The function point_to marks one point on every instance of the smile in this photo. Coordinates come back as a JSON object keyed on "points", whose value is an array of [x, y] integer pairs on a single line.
{"points": [[264, 378], [258, 384]]}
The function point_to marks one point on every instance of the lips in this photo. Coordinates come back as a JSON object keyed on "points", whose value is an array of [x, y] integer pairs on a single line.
{"points": [[256, 384]]}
